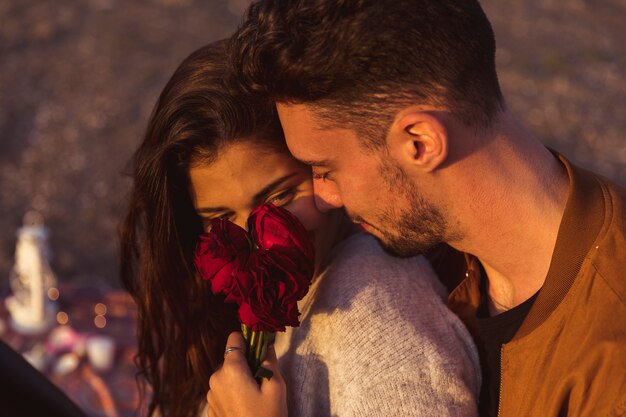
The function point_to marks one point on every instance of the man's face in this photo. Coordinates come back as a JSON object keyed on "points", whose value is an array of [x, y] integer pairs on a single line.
{"points": [[375, 192]]}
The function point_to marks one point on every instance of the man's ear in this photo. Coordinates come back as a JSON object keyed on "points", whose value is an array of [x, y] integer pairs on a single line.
{"points": [[419, 139]]}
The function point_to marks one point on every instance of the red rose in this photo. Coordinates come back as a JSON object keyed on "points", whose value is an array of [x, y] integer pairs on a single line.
{"points": [[271, 290], [219, 255], [274, 228], [266, 283]]}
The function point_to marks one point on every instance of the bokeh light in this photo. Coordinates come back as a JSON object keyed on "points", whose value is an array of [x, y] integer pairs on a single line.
{"points": [[100, 309], [62, 318], [53, 293], [100, 322]]}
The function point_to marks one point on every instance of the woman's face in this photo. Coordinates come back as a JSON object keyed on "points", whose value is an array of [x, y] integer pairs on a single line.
{"points": [[246, 175]]}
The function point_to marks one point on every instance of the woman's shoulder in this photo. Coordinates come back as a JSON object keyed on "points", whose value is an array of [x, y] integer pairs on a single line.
{"points": [[360, 262], [365, 285], [375, 305]]}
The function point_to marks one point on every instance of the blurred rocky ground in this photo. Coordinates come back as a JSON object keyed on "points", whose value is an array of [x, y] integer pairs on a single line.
{"points": [[78, 79]]}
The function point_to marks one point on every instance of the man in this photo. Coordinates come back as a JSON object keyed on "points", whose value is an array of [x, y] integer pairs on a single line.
{"points": [[26, 392], [396, 106]]}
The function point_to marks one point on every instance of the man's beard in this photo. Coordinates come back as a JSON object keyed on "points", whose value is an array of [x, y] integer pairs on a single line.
{"points": [[413, 228], [413, 231]]}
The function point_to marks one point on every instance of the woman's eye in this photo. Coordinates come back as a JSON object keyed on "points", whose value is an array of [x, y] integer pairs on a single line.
{"points": [[206, 224], [282, 198], [206, 221], [225, 216]]}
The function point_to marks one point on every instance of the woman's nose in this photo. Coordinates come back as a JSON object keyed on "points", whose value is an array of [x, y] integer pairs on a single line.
{"points": [[241, 219]]}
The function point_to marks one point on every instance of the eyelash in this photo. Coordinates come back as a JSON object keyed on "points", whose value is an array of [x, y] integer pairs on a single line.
{"points": [[291, 192], [323, 176], [206, 221], [276, 200]]}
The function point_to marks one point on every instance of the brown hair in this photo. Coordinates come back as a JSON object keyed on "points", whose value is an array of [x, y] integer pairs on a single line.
{"points": [[182, 327], [357, 62]]}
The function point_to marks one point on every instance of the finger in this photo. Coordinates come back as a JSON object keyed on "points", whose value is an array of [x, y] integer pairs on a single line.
{"points": [[235, 370], [213, 383], [236, 339], [212, 408], [235, 347]]}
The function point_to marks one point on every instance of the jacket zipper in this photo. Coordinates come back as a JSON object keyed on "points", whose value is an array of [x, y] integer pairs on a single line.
{"points": [[500, 392]]}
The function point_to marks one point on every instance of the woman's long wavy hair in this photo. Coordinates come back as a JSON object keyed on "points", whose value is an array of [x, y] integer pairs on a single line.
{"points": [[182, 326]]}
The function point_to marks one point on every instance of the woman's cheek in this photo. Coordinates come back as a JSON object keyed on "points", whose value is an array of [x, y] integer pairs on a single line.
{"points": [[303, 207]]}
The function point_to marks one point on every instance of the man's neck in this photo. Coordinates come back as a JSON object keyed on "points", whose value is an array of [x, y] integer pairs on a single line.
{"points": [[510, 218]]}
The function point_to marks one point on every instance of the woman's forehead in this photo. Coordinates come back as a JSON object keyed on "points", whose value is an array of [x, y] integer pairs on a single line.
{"points": [[239, 173]]}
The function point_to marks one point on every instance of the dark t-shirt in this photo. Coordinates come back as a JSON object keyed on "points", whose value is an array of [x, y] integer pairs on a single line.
{"points": [[492, 333]]}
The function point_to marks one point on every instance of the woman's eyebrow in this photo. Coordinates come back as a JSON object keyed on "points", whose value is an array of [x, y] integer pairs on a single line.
{"points": [[258, 196], [270, 187], [211, 210]]}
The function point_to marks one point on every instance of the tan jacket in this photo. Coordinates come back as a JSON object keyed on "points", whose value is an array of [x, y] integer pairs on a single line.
{"points": [[569, 356]]}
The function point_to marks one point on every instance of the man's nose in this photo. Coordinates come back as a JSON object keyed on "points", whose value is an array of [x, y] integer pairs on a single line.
{"points": [[327, 196]]}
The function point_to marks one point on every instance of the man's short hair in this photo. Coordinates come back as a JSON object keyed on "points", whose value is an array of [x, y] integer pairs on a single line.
{"points": [[357, 62]]}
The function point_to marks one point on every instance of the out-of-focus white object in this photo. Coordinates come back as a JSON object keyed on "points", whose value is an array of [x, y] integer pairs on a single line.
{"points": [[101, 352], [67, 363], [30, 308], [64, 339], [36, 357]]}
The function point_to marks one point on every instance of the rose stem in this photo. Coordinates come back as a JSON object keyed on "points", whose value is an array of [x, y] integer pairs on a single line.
{"points": [[259, 347], [266, 341], [252, 350]]}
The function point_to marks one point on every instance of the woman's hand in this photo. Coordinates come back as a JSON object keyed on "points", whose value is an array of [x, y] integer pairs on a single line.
{"points": [[233, 392]]}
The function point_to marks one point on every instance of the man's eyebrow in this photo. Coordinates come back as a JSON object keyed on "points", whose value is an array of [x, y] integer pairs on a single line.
{"points": [[264, 191]]}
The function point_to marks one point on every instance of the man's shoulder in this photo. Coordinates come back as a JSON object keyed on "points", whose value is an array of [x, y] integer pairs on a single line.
{"points": [[615, 193], [608, 255]]}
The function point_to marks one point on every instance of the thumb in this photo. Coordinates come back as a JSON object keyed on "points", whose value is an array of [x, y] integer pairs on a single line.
{"points": [[271, 363]]}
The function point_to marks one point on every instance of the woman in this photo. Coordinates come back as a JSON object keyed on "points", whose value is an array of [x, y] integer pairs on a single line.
{"points": [[208, 152]]}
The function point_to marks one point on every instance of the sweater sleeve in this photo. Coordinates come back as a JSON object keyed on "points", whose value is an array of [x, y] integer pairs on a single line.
{"points": [[390, 345]]}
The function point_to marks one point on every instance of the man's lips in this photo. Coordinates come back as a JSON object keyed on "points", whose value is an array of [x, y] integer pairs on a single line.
{"points": [[366, 227]]}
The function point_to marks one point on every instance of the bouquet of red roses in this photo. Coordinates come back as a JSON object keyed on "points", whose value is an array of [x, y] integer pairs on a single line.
{"points": [[266, 271]]}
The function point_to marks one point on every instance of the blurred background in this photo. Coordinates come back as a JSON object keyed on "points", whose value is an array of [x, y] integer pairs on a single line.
{"points": [[78, 79]]}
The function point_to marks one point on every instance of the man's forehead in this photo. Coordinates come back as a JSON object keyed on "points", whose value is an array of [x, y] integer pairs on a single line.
{"points": [[312, 139], [306, 137], [312, 152]]}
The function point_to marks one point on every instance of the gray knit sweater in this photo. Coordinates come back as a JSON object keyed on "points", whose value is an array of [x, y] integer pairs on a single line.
{"points": [[377, 339]]}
